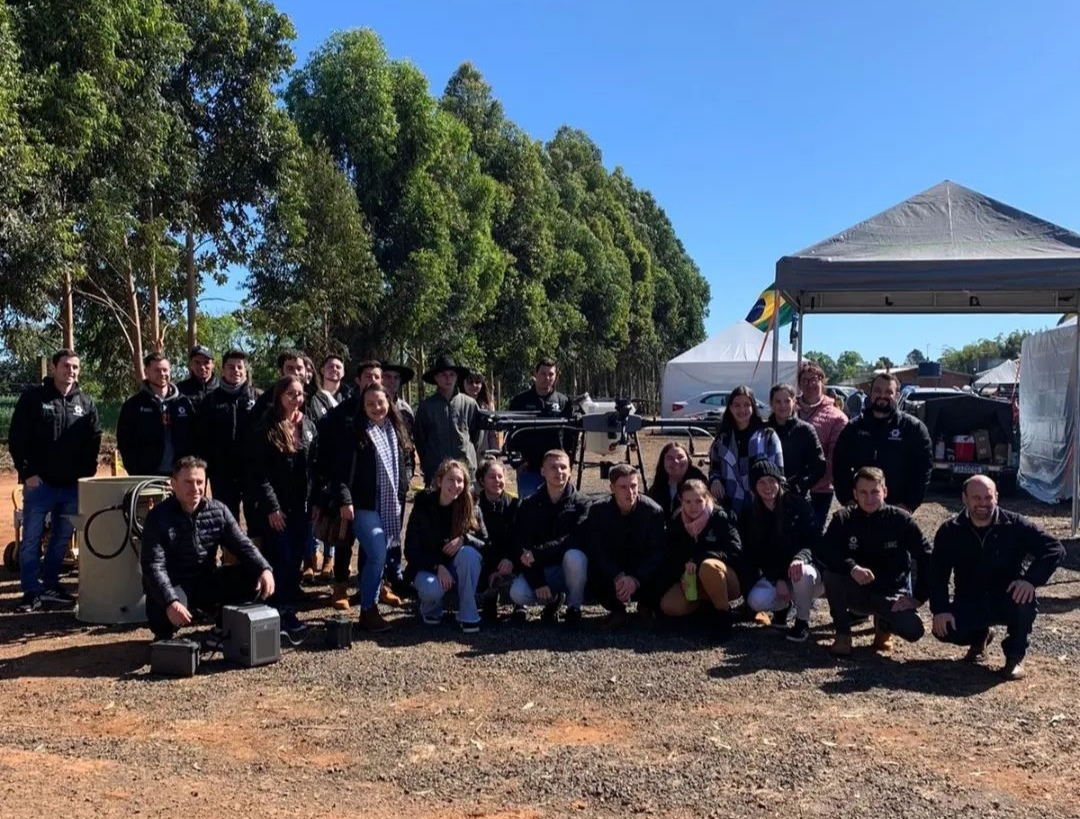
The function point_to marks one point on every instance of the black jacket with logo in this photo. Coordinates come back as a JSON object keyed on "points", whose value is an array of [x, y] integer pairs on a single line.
{"points": [[226, 419], [145, 421], [548, 530], [633, 544], [984, 561], [719, 540], [196, 389], [888, 543], [533, 443], [770, 548], [899, 445], [56, 437], [281, 481]]}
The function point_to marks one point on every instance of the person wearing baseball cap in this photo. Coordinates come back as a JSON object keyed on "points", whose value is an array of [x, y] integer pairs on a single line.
{"points": [[201, 380]]}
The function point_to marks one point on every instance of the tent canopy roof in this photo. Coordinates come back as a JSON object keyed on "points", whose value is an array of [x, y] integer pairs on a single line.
{"points": [[739, 342], [946, 250], [1007, 372]]}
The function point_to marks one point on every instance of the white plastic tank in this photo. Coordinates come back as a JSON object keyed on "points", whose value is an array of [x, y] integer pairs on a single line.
{"points": [[600, 443], [110, 577]]}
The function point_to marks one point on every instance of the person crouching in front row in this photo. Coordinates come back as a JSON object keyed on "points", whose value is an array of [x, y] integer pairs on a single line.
{"points": [[780, 535], [869, 552], [625, 544], [443, 545], [704, 548]]}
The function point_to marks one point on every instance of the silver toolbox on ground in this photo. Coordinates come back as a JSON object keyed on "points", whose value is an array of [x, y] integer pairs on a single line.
{"points": [[252, 634]]}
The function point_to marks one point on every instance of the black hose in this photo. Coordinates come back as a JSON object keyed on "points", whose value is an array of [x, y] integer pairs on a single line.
{"points": [[129, 506]]}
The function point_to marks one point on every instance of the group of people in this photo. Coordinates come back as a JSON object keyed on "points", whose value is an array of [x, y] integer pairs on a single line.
{"points": [[312, 459]]}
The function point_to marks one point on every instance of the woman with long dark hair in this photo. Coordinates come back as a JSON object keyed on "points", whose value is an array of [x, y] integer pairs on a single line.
{"points": [[500, 510], [779, 534], [283, 451], [443, 544], [475, 386], [743, 438], [673, 468], [367, 460]]}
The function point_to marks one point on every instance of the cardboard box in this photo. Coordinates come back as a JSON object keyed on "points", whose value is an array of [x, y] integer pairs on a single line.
{"points": [[984, 452], [1001, 454]]}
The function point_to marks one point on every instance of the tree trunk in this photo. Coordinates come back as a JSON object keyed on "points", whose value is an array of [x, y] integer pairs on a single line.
{"points": [[136, 328], [192, 289], [68, 320]]}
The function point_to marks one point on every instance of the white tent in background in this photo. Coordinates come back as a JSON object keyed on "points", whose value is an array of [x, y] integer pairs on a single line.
{"points": [[1048, 413], [1006, 373], [724, 361]]}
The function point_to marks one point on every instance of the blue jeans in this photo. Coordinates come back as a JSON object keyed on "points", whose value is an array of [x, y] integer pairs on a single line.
{"points": [[368, 528], [567, 578], [285, 552], [57, 502], [528, 482], [466, 572]]}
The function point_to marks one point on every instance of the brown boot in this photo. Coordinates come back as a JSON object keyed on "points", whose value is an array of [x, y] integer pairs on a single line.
{"points": [[326, 574], [371, 621], [311, 568], [977, 651], [388, 598], [883, 640], [339, 597], [841, 646]]}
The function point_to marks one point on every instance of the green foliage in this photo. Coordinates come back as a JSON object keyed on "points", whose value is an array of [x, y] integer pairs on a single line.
{"points": [[915, 357], [850, 364], [967, 359], [826, 362]]}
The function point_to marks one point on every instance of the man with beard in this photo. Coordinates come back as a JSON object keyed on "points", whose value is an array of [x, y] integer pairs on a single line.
{"points": [[201, 379], [896, 443], [870, 550], [544, 399], [332, 387], [984, 550], [156, 424], [226, 417]]}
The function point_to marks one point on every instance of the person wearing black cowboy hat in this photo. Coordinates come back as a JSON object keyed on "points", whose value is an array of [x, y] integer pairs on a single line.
{"points": [[396, 376], [446, 421]]}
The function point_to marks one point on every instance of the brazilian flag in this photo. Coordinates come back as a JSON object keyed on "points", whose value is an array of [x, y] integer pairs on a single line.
{"points": [[764, 314]]}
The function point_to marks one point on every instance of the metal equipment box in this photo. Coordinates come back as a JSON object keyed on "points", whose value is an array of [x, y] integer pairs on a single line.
{"points": [[252, 634], [175, 658]]}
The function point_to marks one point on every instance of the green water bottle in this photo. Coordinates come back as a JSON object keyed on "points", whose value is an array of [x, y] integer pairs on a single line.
{"points": [[689, 581]]}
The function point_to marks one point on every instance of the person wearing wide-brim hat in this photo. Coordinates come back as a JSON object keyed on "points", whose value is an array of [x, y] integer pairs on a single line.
{"points": [[447, 421], [394, 377]]}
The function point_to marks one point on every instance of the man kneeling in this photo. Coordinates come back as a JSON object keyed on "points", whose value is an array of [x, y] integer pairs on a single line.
{"points": [[869, 552], [180, 541], [984, 549]]}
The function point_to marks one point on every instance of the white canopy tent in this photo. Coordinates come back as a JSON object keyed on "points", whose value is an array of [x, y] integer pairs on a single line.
{"points": [[1006, 373], [736, 355], [1048, 413]]}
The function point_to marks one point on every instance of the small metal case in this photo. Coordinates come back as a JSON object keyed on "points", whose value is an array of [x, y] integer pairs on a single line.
{"points": [[252, 634], [338, 632], [174, 658]]}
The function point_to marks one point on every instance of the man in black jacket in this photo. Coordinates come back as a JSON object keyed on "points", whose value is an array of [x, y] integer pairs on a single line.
{"points": [[626, 543], [984, 550], [804, 459], [549, 522], [869, 552], [54, 438], [226, 417], [179, 545], [896, 443], [544, 399], [201, 380], [156, 424]]}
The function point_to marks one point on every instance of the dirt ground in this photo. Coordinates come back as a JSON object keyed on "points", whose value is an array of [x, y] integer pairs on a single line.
{"points": [[537, 721]]}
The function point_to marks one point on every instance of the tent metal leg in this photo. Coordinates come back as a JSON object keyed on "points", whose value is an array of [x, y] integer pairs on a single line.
{"points": [[798, 344], [775, 354]]}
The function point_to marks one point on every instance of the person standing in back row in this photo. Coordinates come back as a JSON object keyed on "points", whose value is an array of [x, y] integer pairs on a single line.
{"points": [[54, 440], [896, 443], [828, 420], [804, 460], [156, 426], [446, 421], [201, 380], [542, 398]]}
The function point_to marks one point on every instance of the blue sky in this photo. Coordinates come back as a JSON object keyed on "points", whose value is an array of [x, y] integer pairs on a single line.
{"points": [[762, 128]]}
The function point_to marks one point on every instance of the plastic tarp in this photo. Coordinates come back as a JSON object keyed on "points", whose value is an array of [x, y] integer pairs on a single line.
{"points": [[1007, 373], [724, 361], [1047, 415], [946, 250]]}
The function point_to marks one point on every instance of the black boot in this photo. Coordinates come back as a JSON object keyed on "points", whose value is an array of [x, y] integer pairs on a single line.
{"points": [[721, 626]]}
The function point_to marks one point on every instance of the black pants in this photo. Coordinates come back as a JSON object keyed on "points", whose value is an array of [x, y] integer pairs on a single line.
{"points": [[603, 591], [821, 503], [229, 489], [206, 594], [975, 616], [845, 596]]}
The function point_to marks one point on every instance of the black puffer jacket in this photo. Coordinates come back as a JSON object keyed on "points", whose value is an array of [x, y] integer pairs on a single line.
{"points": [[178, 548], [770, 549], [899, 445], [141, 430], [56, 437], [804, 459], [428, 532], [281, 481]]}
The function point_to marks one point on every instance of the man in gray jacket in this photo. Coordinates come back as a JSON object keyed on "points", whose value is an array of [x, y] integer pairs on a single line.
{"points": [[446, 421]]}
